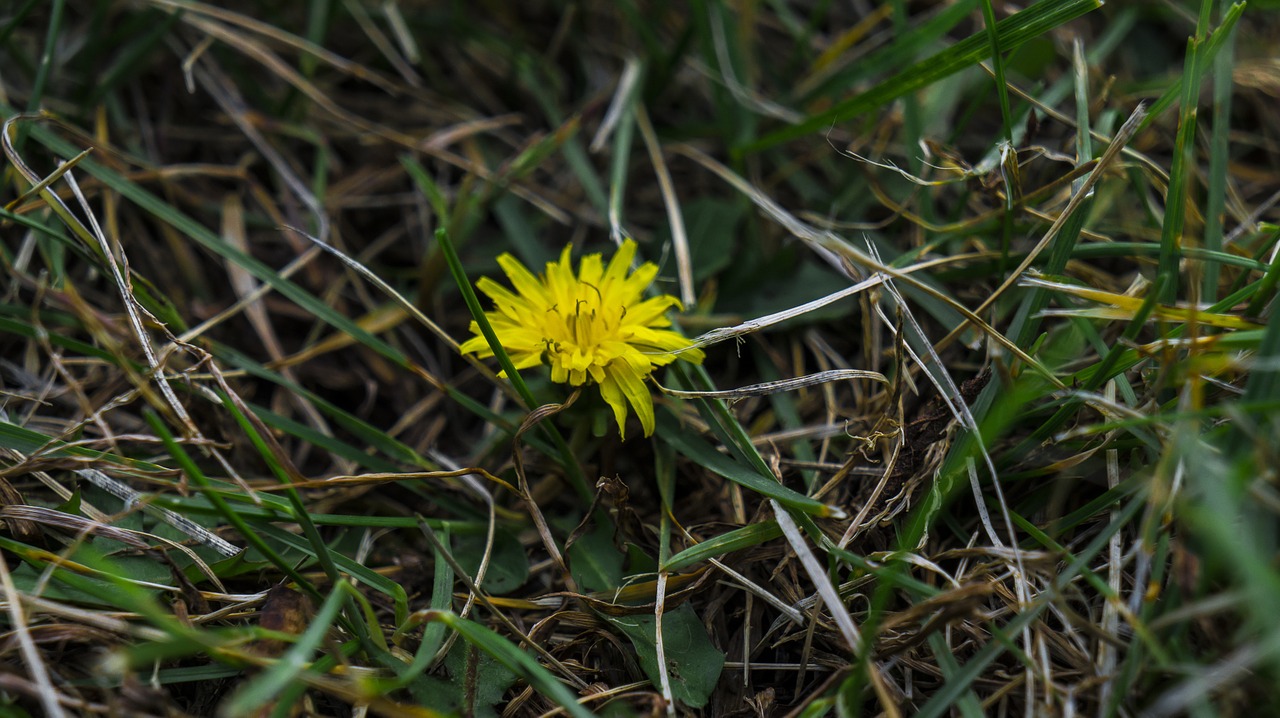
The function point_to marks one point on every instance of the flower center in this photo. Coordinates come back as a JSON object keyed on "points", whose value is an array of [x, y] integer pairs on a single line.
{"points": [[581, 338]]}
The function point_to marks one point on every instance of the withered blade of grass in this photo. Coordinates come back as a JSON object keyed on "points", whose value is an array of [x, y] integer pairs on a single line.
{"points": [[189, 8], [659, 643], [679, 238], [174, 519], [618, 106], [409, 307], [716, 336], [773, 387], [900, 210], [382, 42], [249, 295], [725, 60], [832, 247], [215, 82], [49, 696], [830, 597], [955, 402], [118, 263], [957, 405], [275, 64], [535, 417]]}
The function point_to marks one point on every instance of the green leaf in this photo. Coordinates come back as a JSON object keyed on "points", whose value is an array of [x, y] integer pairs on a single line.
{"points": [[476, 683], [596, 564], [358, 571], [693, 663], [29, 579], [139, 568], [639, 561], [508, 565], [515, 659], [237, 565]]}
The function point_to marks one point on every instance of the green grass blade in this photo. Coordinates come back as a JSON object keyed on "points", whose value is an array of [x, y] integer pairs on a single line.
{"points": [[670, 432], [1219, 158], [198, 478], [570, 464], [516, 660], [727, 542], [266, 687], [358, 571], [1011, 32]]}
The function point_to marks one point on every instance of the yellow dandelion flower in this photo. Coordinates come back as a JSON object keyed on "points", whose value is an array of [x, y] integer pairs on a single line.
{"points": [[593, 327]]}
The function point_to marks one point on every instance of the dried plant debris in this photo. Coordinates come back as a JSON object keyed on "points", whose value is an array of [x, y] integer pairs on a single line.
{"points": [[891, 359]]}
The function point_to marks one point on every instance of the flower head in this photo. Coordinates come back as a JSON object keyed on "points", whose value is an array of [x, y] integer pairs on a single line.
{"points": [[593, 327]]}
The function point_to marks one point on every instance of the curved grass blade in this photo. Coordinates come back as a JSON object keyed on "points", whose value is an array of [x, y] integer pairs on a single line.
{"points": [[727, 542]]}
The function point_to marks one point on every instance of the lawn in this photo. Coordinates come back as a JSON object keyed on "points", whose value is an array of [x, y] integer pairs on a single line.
{"points": [[637, 358]]}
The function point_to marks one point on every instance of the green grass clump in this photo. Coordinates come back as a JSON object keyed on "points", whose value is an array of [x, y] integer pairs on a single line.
{"points": [[986, 424]]}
